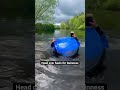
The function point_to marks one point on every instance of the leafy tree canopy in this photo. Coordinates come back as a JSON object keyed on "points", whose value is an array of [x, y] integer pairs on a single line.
{"points": [[44, 10], [75, 23]]}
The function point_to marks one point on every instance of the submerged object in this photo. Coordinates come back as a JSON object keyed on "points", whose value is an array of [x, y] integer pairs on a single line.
{"points": [[94, 47], [66, 46]]}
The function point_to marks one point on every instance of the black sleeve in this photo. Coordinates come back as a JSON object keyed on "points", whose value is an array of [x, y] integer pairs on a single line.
{"points": [[52, 44], [99, 31], [76, 38]]}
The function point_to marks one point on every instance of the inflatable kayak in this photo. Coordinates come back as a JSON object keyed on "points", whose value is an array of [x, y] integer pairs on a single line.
{"points": [[66, 46], [94, 48]]}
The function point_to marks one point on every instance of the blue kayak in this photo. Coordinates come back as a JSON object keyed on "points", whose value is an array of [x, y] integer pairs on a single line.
{"points": [[66, 46]]}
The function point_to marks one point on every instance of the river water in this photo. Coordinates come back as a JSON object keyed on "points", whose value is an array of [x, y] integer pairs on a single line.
{"points": [[58, 77], [16, 61]]}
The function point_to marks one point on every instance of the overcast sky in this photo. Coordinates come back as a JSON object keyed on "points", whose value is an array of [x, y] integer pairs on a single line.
{"points": [[67, 9]]}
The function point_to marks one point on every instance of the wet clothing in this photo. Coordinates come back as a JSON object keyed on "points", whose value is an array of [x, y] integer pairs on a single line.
{"points": [[52, 44], [76, 38], [103, 36], [99, 31]]}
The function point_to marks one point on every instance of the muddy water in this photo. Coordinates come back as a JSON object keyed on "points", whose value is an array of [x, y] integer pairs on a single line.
{"points": [[57, 77]]}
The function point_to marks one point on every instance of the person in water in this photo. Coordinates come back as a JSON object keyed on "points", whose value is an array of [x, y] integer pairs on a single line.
{"points": [[90, 22], [55, 51], [73, 35]]}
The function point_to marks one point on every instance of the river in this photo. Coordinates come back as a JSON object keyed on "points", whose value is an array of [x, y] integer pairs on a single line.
{"points": [[16, 61], [58, 77]]}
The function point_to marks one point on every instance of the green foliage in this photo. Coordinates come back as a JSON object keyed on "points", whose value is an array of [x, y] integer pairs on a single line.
{"points": [[75, 23], [106, 14], [57, 27], [44, 10], [108, 21], [63, 25], [112, 5], [44, 28], [103, 4]]}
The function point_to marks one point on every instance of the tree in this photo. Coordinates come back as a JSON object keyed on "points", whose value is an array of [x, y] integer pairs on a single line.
{"points": [[63, 25], [75, 23], [44, 10]]}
